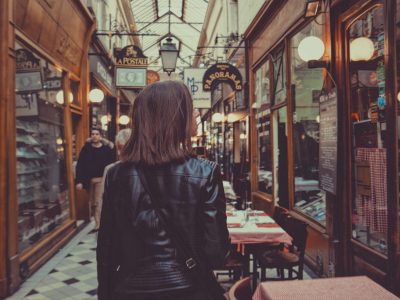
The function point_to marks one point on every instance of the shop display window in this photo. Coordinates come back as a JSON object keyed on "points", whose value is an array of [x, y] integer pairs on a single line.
{"points": [[365, 40], [263, 128], [42, 186], [74, 87], [279, 75], [306, 88]]}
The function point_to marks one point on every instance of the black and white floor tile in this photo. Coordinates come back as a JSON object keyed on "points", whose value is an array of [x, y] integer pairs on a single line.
{"points": [[71, 274]]}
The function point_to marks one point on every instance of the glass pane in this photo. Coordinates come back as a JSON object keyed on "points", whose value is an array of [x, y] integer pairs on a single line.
{"points": [[279, 70], [306, 88], [367, 99], [74, 86], [281, 157], [263, 125], [41, 168]]}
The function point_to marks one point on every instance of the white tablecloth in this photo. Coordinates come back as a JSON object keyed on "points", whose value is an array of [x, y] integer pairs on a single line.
{"points": [[250, 233]]}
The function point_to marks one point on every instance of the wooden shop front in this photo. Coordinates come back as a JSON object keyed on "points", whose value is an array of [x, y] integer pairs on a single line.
{"points": [[43, 58], [324, 129]]}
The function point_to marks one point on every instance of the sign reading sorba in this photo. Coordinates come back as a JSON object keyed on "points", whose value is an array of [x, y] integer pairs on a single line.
{"points": [[222, 73]]}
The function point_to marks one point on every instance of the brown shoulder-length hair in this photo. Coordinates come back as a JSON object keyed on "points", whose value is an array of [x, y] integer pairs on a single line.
{"points": [[161, 125]]}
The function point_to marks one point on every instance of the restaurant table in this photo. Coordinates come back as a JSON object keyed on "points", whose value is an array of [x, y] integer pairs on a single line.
{"points": [[339, 288], [257, 229]]}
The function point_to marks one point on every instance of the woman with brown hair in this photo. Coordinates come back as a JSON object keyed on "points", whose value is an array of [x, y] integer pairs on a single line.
{"points": [[163, 224]]}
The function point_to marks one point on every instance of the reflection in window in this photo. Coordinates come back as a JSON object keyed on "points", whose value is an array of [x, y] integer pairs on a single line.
{"points": [[263, 126], [279, 84], [306, 88], [367, 99], [41, 167]]}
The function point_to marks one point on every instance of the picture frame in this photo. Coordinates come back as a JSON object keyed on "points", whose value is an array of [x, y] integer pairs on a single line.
{"points": [[28, 81], [131, 77]]}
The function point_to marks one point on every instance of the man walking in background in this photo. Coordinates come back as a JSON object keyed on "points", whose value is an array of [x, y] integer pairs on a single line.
{"points": [[95, 155]]}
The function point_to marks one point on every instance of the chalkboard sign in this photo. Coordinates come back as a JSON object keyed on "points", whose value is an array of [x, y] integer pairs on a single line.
{"points": [[328, 141]]}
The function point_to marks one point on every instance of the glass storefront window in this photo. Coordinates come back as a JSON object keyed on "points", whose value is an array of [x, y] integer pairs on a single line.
{"points": [[279, 73], [366, 39], [74, 86], [305, 89], [41, 166], [281, 157], [263, 126]]}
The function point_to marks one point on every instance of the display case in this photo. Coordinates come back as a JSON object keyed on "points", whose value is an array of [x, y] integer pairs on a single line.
{"points": [[42, 187], [366, 38]]}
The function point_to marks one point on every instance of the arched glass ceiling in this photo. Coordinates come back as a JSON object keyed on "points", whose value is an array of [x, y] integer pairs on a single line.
{"points": [[186, 20]]}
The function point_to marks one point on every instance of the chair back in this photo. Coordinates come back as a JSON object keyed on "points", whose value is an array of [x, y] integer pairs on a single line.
{"points": [[280, 215], [297, 229], [241, 290]]}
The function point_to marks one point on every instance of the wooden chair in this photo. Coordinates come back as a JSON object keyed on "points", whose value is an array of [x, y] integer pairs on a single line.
{"points": [[234, 264], [288, 258], [240, 290], [280, 215]]}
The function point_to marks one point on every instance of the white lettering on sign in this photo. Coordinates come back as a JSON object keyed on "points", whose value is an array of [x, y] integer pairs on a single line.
{"points": [[104, 74]]}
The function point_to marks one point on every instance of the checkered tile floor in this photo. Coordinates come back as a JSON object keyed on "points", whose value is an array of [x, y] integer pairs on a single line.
{"points": [[71, 274]]}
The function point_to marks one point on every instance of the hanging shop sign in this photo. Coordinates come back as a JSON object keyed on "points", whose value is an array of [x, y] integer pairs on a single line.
{"points": [[25, 60], [222, 73], [28, 76], [193, 78], [328, 141], [152, 76], [101, 71], [130, 56], [130, 77]]}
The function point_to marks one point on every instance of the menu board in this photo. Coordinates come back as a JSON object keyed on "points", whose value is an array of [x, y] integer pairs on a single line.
{"points": [[328, 141]]}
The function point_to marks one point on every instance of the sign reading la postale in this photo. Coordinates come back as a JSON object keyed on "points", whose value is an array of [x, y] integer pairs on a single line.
{"points": [[130, 56], [222, 72]]}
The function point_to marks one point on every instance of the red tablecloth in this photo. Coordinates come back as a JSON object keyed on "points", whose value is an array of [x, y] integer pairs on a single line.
{"points": [[341, 288]]}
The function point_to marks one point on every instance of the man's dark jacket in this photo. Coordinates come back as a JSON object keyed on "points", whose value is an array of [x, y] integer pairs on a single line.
{"points": [[92, 161], [134, 253]]}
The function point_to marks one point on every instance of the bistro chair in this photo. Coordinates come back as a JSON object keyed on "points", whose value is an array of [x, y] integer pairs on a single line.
{"points": [[287, 258], [280, 215], [234, 264], [240, 290]]}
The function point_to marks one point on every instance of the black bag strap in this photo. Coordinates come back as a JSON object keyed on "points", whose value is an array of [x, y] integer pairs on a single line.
{"points": [[189, 257]]}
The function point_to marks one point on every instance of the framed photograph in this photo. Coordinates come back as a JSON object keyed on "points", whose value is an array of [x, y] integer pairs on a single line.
{"points": [[131, 77], [26, 105], [28, 81]]}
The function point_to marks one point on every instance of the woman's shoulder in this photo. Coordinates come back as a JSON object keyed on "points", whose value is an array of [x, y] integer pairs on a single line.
{"points": [[198, 167]]}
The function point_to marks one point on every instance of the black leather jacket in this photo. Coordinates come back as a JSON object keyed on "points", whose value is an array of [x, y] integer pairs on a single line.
{"points": [[134, 253]]}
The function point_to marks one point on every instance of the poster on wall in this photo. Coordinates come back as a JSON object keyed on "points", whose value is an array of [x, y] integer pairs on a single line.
{"points": [[193, 78], [26, 105], [328, 141]]}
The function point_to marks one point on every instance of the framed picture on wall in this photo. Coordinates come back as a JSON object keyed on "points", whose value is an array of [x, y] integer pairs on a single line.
{"points": [[30, 81], [131, 77]]}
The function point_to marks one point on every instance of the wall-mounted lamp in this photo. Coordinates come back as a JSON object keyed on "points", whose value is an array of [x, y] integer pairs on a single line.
{"points": [[361, 48], [96, 95], [312, 8], [311, 48], [104, 119], [124, 120], [217, 117], [60, 97]]}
